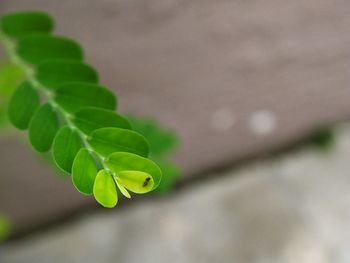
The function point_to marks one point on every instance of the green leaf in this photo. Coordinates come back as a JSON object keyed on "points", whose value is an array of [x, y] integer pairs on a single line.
{"points": [[5, 227], [161, 140], [43, 128], [53, 73], [122, 161], [38, 48], [109, 140], [19, 24], [90, 119], [123, 190], [84, 171], [136, 181], [105, 190], [22, 106], [171, 173], [74, 96], [66, 145], [10, 77]]}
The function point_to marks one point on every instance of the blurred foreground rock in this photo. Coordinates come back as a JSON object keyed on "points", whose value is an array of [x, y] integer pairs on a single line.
{"points": [[291, 208]]}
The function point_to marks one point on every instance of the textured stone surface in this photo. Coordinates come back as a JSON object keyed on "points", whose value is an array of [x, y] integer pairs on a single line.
{"points": [[294, 208], [233, 78]]}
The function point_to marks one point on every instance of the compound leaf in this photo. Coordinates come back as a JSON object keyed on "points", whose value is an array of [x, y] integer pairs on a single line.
{"points": [[84, 171], [90, 119], [38, 48], [136, 181], [66, 145], [53, 65], [22, 23], [74, 96], [105, 190], [109, 140], [43, 128], [123, 161], [53, 73], [22, 106]]}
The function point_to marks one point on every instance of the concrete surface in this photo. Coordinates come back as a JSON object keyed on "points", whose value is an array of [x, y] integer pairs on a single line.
{"points": [[293, 208]]}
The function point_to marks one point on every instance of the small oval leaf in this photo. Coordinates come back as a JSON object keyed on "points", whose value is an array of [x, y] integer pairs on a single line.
{"points": [[75, 96], [84, 171], [22, 106], [89, 119], [123, 161], [43, 128], [38, 48], [66, 145], [105, 190], [53, 73], [123, 190], [136, 181], [22, 23], [109, 140]]}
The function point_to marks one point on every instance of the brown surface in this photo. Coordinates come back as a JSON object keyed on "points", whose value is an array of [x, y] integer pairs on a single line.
{"points": [[188, 62], [33, 197]]}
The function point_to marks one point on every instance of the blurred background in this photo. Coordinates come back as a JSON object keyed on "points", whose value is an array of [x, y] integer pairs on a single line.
{"points": [[257, 96]]}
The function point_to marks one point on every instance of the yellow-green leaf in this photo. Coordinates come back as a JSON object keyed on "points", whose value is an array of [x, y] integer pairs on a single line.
{"points": [[136, 181], [123, 189], [123, 161], [105, 190]]}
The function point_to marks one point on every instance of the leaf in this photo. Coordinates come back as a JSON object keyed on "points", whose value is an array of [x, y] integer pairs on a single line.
{"points": [[109, 140], [5, 227], [38, 48], [105, 191], [171, 173], [74, 96], [22, 106], [123, 190], [84, 171], [53, 73], [89, 119], [10, 77], [161, 140], [43, 128], [136, 181], [122, 161], [22, 23], [66, 145]]}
